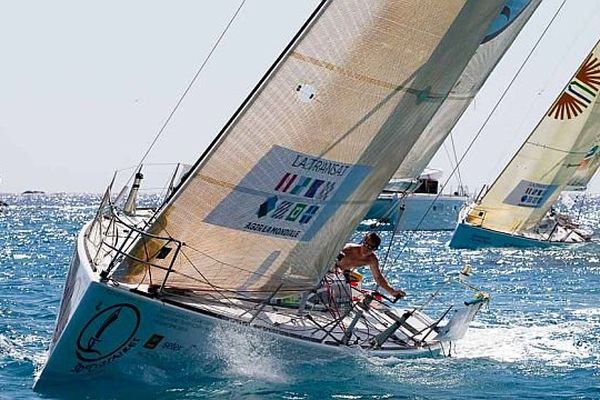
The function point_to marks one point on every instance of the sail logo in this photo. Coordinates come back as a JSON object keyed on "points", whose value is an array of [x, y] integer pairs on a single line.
{"points": [[530, 194], [301, 186], [109, 334], [580, 92], [508, 14], [586, 167], [305, 186], [288, 194], [592, 153], [288, 210]]}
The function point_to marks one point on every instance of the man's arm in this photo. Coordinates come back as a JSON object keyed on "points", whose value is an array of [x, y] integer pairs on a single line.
{"points": [[381, 281]]}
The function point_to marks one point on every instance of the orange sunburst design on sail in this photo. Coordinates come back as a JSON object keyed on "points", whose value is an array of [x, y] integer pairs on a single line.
{"points": [[580, 92]]}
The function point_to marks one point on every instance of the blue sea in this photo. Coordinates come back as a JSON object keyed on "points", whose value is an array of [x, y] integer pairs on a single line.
{"points": [[538, 339]]}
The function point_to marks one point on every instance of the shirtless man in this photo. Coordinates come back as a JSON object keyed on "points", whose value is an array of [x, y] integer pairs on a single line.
{"points": [[357, 255]]}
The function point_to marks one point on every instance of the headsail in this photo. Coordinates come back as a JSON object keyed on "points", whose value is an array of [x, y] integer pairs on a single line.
{"points": [[501, 33], [591, 161], [532, 181], [294, 173]]}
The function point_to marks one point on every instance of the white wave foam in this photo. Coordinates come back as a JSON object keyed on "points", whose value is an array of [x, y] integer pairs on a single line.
{"points": [[589, 313], [555, 345], [19, 349], [248, 353]]}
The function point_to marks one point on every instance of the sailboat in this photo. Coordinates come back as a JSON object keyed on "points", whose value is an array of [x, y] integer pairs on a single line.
{"points": [[516, 209], [249, 234], [413, 199]]}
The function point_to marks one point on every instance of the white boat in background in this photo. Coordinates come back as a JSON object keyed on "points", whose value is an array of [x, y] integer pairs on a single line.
{"points": [[424, 208], [246, 240], [516, 211]]}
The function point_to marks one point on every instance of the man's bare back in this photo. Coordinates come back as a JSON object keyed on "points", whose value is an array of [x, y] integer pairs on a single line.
{"points": [[359, 255]]}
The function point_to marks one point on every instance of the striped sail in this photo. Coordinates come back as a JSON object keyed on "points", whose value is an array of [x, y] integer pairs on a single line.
{"points": [[501, 33], [542, 167], [270, 205]]}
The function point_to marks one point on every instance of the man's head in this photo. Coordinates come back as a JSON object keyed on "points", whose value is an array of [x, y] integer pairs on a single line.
{"points": [[371, 241]]}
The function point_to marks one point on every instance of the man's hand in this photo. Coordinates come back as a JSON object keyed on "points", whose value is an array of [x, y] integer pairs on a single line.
{"points": [[398, 294]]}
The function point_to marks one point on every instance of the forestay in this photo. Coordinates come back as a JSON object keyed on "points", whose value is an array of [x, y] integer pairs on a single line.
{"points": [[500, 34], [288, 180], [541, 168]]}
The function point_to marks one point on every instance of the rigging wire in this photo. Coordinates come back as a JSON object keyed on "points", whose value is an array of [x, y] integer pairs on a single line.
{"points": [[456, 160], [485, 122], [189, 86]]}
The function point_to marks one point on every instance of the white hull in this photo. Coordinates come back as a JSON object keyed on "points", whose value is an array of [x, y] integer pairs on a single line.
{"points": [[106, 328], [422, 211]]}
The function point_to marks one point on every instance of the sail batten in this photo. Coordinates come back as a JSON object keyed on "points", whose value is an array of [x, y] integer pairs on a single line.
{"points": [[287, 183]]}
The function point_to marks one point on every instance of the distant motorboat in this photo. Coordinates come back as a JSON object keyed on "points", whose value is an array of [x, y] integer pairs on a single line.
{"points": [[423, 208]]}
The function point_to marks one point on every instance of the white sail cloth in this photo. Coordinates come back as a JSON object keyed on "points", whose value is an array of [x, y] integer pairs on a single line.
{"points": [[591, 161], [532, 181], [296, 170], [500, 35]]}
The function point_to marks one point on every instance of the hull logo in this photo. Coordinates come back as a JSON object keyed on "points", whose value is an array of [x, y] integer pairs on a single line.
{"points": [[108, 332]]}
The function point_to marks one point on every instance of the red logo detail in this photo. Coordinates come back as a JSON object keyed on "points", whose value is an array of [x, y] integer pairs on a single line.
{"points": [[578, 97]]}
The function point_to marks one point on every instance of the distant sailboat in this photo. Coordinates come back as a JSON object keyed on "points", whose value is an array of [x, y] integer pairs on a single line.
{"points": [[403, 205], [516, 210], [249, 235]]}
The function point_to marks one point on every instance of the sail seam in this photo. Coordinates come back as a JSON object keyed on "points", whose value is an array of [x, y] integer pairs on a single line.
{"points": [[364, 78]]}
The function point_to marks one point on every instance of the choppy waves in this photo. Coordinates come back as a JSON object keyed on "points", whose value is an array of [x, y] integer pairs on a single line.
{"points": [[540, 334]]}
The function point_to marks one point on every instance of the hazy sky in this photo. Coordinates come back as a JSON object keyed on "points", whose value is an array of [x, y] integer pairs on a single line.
{"points": [[86, 86]]}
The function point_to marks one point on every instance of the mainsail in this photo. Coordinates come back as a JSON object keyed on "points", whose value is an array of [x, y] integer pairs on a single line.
{"points": [[500, 34], [531, 182], [274, 199]]}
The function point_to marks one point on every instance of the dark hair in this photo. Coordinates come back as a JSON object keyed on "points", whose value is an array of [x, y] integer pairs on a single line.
{"points": [[374, 238]]}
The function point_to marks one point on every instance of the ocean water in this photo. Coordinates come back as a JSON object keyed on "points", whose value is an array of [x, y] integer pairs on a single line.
{"points": [[538, 339]]}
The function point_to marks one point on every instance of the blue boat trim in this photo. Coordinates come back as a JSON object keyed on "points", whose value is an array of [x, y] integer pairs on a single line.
{"points": [[473, 237]]}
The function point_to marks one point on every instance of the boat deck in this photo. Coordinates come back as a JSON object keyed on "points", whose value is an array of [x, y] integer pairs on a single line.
{"points": [[327, 325], [322, 326]]}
